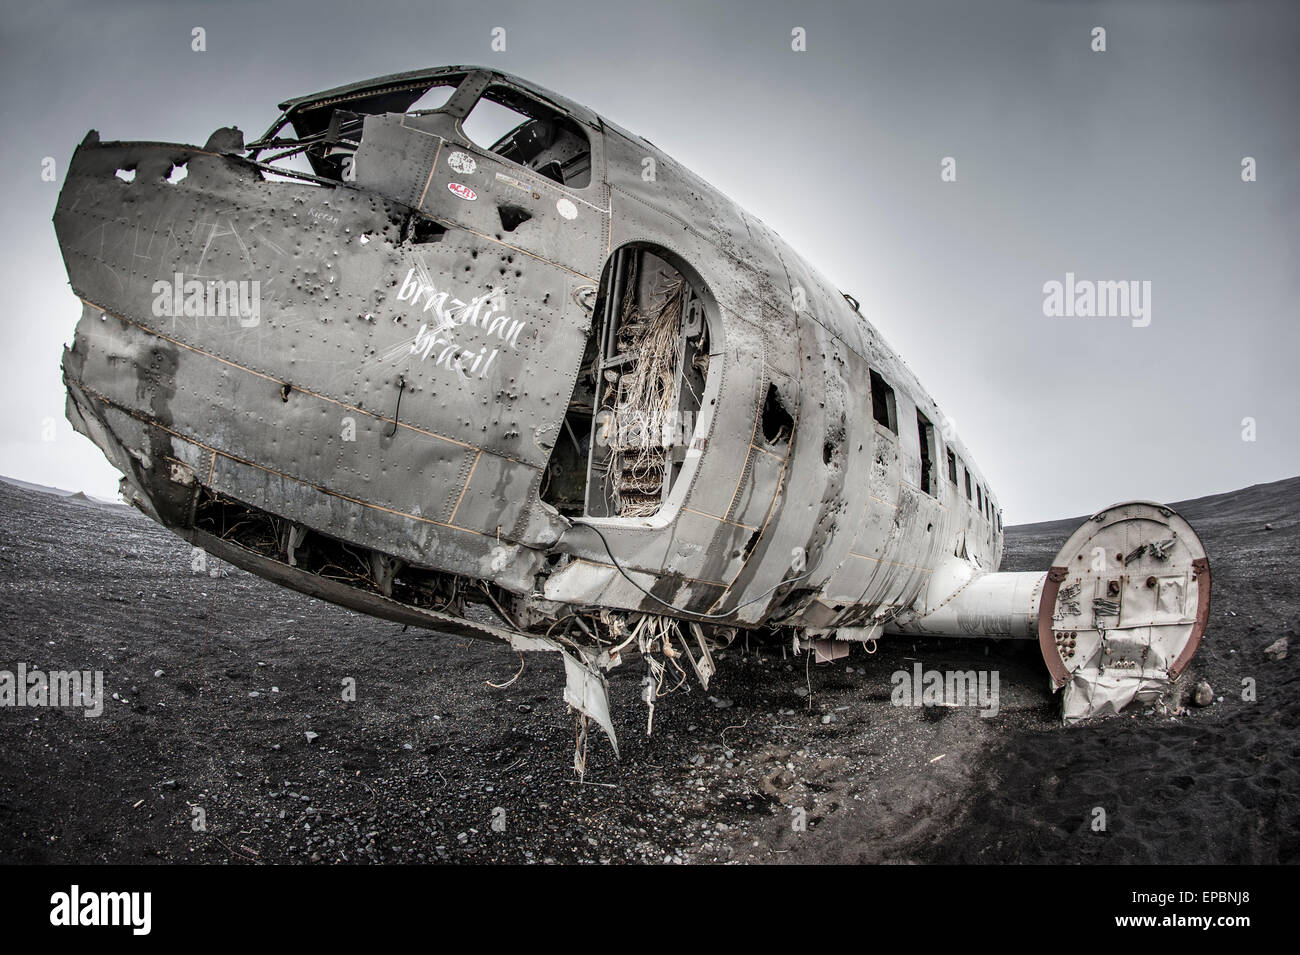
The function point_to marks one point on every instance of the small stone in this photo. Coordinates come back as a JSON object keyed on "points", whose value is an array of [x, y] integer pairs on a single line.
{"points": [[311, 736], [1276, 650], [1203, 696]]}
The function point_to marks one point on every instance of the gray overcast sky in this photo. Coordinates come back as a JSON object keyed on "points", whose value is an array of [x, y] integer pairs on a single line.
{"points": [[1122, 165]]}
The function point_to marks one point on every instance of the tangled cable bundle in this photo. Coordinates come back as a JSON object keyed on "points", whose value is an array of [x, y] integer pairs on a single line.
{"points": [[646, 403]]}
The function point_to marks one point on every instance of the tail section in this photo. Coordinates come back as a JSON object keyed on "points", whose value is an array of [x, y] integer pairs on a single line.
{"points": [[1118, 616]]}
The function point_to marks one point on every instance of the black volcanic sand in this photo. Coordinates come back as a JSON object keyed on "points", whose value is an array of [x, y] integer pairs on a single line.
{"points": [[215, 682]]}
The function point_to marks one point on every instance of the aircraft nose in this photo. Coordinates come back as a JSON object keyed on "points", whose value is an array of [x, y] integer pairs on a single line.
{"points": [[291, 347]]}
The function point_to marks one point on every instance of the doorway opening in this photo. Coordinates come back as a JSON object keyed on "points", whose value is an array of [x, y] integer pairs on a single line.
{"points": [[636, 403]]}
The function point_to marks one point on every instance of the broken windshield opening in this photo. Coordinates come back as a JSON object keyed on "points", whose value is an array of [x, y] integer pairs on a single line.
{"points": [[319, 137], [524, 131], [327, 132]]}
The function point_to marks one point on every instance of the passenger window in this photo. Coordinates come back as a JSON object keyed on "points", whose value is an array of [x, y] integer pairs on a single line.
{"points": [[531, 134], [979, 499], [969, 495], [925, 430], [952, 467], [883, 408]]}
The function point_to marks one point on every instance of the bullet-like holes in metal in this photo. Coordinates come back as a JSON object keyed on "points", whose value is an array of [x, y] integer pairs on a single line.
{"points": [[777, 423], [512, 217], [422, 230]]}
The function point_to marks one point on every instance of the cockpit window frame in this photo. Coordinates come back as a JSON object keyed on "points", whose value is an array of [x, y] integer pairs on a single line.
{"points": [[520, 101], [311, 121]]}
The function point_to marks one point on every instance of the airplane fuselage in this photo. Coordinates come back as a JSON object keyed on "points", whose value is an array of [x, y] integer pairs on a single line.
{"points": [[557, 374]]}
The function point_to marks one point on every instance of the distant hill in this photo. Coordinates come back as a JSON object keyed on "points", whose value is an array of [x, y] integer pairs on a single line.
{"points": [[1280, 498], [1228, 516], [81, 497]]}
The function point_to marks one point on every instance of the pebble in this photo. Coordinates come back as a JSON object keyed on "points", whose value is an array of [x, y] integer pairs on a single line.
{"points": [[1203, 696]]}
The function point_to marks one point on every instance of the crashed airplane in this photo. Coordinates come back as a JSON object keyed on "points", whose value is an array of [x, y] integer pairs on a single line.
{"points": [[548, 386]]}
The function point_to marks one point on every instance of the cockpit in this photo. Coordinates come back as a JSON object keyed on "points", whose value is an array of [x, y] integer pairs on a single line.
{"points": [[318, 136]]}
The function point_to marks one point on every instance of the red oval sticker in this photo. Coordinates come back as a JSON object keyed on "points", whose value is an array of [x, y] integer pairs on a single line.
{"points": [[464, 192]]}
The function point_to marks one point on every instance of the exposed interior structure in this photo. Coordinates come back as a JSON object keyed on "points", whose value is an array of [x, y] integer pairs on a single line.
{"points": [[330, 558], [500, 119], [634, 406]]}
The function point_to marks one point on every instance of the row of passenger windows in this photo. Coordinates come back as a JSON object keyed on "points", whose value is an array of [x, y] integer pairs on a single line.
{"points": [[981, 499], [884, 408]]}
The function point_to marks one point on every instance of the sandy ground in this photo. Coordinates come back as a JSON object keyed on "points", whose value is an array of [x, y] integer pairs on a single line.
{"points": [[214, 684]]}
